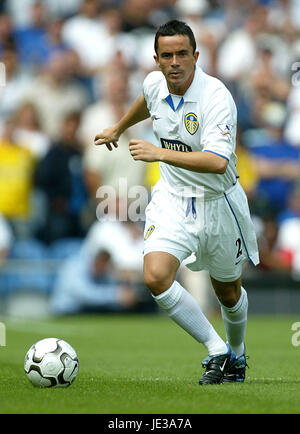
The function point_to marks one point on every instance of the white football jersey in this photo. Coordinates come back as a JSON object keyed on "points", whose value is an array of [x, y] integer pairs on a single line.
{"points": [[203, 119]]}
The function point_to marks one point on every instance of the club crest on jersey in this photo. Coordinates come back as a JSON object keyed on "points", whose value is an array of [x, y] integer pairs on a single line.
{"points": [[191, 123], [149, 232]]}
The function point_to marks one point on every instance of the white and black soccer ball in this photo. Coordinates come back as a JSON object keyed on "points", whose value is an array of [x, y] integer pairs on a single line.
{"points": [[51, 362]]}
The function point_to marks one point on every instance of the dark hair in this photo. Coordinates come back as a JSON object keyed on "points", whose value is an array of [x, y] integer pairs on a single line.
{"points": [[175, 27]]}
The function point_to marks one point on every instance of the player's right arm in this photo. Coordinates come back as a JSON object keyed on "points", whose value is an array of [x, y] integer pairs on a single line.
{"points": [[137, 113]]}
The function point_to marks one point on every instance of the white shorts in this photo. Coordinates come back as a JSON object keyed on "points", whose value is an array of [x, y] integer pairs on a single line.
{"points": [[218, 233]]}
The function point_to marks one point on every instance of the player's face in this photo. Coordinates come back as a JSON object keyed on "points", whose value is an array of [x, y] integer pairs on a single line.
{"points": [[177, 62]]}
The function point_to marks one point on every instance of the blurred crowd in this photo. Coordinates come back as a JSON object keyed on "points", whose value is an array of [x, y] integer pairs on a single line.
{"points": [[72, 68]]}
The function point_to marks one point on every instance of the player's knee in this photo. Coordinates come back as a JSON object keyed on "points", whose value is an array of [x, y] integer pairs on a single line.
{"points": [[156, 281], [228, 298], [228, 293]]}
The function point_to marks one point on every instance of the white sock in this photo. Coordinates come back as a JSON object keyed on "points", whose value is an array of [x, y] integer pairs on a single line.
{"points": [[235, 321], [183, 308]]}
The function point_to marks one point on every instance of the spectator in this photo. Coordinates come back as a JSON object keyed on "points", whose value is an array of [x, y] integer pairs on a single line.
{"points": [[124, 240], [291, 132], [86, 34], [277, 162], [271, 258], [137, 15], [117, 41], [237, 54], [28, 132], [55, 93], [65, 9], [279, 241], [37, 40], [6, 29], [20, 12], [288, 242], [17, 83], [95, 23], [102, 168], [288, 245], [265, 80], [85, 285], [53, 41], [293, 205], [284, 15], [59, 176], [30, 40], [16, 182]]}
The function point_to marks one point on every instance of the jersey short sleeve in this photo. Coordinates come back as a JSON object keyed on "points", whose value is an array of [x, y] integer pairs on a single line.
{"points": [[151, 87], [219, 123]]}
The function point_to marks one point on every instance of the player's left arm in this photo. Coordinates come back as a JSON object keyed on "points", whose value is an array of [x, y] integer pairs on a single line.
{"points": [[199, 161]]}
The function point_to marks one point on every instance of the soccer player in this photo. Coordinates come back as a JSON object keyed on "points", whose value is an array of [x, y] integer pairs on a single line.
{"points": [[198, 205]]}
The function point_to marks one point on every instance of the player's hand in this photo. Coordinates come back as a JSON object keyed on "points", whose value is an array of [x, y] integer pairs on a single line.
{"points": [[144, 151], [108, 137]]}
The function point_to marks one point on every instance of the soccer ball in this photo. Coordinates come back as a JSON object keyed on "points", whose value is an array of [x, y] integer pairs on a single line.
{"points": [[51, 362]]}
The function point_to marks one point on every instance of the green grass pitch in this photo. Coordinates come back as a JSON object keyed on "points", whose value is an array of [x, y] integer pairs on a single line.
{"points": [[147, 364]]}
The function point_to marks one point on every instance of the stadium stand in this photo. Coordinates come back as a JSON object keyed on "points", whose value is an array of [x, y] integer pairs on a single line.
{"points": [[60, 58]]}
